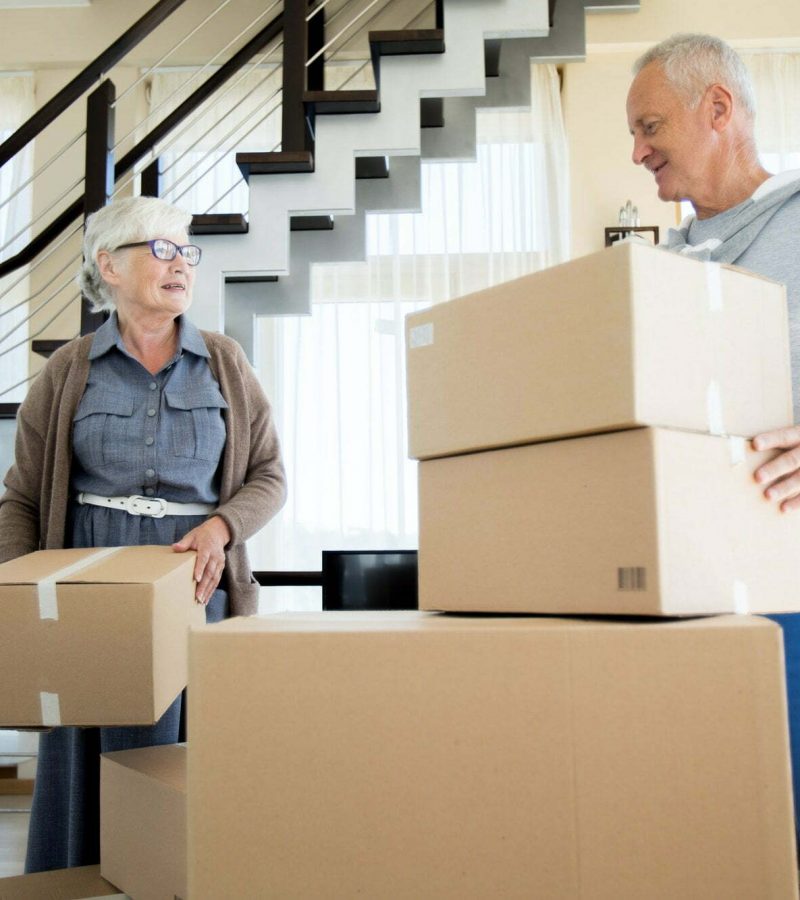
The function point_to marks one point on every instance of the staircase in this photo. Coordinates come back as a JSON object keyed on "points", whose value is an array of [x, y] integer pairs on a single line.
{"points": [[308, 205]]}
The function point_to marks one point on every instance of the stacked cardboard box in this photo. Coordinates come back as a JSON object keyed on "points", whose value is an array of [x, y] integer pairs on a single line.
{"points": [[427, 755], [521, 511], [433, 755], [79, 883], [143, 821]]}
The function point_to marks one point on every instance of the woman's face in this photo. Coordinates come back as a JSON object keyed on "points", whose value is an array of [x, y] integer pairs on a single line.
{"points": [[145, 285]]}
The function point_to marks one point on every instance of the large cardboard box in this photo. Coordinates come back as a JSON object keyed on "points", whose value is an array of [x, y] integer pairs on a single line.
{"points": [[414, 755], [143, 821], [94, 637], [641, 522], [625, 337], [61, 884]]}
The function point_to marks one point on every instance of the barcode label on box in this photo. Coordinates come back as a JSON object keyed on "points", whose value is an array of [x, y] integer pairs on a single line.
{"points": [[632, 578]]}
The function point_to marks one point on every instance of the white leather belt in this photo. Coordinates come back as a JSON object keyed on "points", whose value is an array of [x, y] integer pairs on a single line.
{"points": [[154, 507]]}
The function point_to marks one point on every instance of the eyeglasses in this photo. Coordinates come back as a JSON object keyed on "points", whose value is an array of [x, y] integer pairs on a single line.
{"points": [[161, 248]]}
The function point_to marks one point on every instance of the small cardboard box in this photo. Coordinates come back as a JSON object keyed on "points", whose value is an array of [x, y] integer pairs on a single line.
{"points": [[642, 522], [60, 884], [626, 337], [414, 755], [143, 821], [94, 636]]}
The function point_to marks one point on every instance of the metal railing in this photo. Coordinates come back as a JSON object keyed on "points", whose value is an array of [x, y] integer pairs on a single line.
{"points": [[248, 51]]}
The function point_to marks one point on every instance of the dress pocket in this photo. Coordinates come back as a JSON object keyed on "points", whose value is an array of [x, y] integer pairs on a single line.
{"points": [[100, 428], [196, 423]]}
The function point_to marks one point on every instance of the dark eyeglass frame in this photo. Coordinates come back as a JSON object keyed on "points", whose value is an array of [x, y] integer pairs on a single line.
{"points": [[176, 249]]}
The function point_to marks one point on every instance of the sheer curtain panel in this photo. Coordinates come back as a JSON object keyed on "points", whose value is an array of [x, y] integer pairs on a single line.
{"points": [[337, 377]]}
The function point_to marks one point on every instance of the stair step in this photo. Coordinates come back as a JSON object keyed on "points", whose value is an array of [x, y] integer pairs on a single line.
{"points": [[219, 223], [311, 223], [431, 112], [269, 163], [47, 347], [324, 103], [491, 57], [402, 43], [372, 167], [250, 279]]}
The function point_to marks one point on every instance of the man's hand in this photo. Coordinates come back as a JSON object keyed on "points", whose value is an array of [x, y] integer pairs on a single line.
{"points": [[209, 540], [781, 475]]}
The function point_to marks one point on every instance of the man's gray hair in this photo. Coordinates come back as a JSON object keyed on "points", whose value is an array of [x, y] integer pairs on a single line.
{"points": [[693, 62], [123, 222]]}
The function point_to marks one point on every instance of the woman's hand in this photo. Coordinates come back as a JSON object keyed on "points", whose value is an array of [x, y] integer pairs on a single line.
{"points": [[781, 475], [209, 540]]}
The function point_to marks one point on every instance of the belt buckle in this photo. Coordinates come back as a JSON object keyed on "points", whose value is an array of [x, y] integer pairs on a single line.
{"points": [[132, 506]]}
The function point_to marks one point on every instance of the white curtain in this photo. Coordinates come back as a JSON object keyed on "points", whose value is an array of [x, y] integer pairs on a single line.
{"points": [[337, 377], [776, 80], [16, 106]]}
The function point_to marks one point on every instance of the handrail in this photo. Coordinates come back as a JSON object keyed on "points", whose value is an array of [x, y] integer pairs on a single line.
{"points": [[85, 79], [51, 231]]}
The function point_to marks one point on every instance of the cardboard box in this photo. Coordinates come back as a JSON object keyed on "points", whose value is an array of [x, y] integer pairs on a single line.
{"points": [[414, 755], [643, 522], [143, 821], [94, 637], [626, 337], [60, 884]]}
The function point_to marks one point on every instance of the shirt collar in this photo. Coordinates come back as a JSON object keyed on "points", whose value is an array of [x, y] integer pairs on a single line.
{"points": [[107, 336]]}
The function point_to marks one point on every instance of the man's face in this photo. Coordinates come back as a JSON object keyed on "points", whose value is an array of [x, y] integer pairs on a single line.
{"points": [[669, 139]]}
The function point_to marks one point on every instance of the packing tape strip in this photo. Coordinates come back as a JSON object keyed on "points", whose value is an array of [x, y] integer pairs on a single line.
{"points": [[716, 425], [46, 588], [51, 708], [714, 285], [421, 336], [738, 450], [741, 598]]}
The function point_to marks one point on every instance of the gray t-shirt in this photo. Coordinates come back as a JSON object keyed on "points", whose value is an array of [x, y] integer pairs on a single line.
{"points": [[773, 254]]}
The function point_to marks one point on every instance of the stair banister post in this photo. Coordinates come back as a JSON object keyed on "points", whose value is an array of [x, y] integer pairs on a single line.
{"points": [[151, 179], [99, 173], [294, 135]]}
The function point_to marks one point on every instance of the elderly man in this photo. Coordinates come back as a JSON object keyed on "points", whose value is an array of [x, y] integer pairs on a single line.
{"points": [[691, 114]]}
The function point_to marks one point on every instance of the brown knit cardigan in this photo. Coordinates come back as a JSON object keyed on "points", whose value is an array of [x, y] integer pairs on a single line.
{"points": [[33, 510]]}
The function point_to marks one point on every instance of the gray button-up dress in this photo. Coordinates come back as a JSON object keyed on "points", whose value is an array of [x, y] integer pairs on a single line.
{"points": [[134, 433]]}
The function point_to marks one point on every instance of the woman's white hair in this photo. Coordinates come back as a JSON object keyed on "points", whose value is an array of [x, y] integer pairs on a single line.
{"points": [[123, 222], [693, 62]]}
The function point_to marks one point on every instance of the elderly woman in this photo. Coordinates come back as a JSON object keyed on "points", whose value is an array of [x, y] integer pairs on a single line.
{"points": [[147, 414]]}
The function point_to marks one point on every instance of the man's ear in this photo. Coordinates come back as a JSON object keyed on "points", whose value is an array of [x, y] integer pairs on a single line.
{"points": [[720, 102]]}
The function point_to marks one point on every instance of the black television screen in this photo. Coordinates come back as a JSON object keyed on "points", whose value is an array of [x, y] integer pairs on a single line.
{"points": [[369, 579]]}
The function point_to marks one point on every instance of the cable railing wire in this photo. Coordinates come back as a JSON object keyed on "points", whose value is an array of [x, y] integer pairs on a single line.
{"points": [[33, 221], [216, 124], [55, 246], [24, 381], [196, 73], [169, 52], [39, 308], [333, 40], [221, 158], [230, 190], [43, 288], [57, 155], [44, 327]]}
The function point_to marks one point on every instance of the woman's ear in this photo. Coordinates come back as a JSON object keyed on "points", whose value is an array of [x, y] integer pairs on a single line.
{"points": [[108, 267]]}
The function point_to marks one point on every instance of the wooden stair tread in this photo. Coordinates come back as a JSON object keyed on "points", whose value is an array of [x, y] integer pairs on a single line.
{"points": [[275, 162], [409, 41], [219, 223], [342, 102]]}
